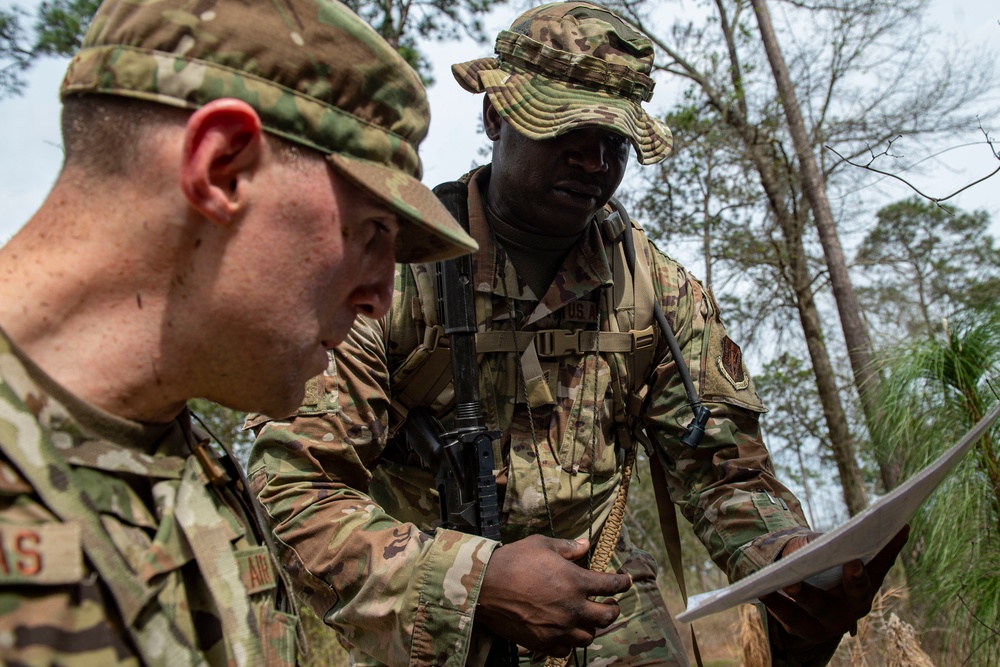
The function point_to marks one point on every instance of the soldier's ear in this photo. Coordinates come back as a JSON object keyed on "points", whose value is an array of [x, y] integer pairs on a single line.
{"points": [[491, 119], [223, 141]]}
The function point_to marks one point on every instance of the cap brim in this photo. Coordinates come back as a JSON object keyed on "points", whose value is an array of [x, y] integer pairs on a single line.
{"points": [[427, 231], [540, 107]]}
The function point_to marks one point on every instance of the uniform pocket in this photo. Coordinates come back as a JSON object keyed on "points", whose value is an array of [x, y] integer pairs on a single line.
{"points": [[583, 405]]}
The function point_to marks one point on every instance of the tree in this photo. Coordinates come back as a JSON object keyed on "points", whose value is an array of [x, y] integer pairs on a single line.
{"points": [[58, 29], [839, 49], [923, 262], [404, 23], [933, 390], [814, 186]]}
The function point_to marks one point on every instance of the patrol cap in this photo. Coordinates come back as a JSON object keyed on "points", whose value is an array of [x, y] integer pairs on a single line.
{"points": [[568, 65], [316, 74]]}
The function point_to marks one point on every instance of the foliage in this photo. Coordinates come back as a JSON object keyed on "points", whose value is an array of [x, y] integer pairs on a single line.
{"points": [[61, 24], [405, 23], [225, 424], [934, 390], [923, 262], [58, 29], [15, 54]]}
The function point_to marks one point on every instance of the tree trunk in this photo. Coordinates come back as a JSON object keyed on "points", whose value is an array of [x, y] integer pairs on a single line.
{"points": [[855, 496], [797, 277], [855, 331]]}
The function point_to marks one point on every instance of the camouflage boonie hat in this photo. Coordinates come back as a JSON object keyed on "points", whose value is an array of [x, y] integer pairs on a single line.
{"points": [[569, 65], [316, 74]]}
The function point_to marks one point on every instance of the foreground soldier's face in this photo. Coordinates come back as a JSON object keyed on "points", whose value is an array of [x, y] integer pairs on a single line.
{"points": [[316, 252], [554, 186]]}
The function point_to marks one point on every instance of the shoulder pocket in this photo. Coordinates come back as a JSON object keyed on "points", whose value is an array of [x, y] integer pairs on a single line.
{"points": [[725, 378]]}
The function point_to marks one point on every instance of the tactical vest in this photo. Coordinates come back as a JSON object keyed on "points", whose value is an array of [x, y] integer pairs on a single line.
{"points": [[631, 344]]}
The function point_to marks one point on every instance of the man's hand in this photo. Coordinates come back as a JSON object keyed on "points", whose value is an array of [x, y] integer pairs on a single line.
{"points": [[534, 594], [811, 615]]}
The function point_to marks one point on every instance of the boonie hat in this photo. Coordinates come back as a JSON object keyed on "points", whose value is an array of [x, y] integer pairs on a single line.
{"points": [[568, 65], [316, 74]]}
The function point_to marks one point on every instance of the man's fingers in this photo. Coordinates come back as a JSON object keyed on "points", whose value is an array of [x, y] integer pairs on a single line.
{"points": [[879, 566], [789, 614], [571, 549], [581, 637], [598, 615], [605, 584]]}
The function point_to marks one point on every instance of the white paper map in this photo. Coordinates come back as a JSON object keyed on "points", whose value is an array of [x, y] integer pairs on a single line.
{"points": [[861, 537]]}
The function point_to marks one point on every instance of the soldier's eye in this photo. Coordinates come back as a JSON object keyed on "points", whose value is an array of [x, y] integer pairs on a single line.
{"points": [[615, 140]]}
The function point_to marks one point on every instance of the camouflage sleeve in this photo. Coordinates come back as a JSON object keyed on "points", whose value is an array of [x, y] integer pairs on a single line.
{"points": [[398, 593], [726, 487]]}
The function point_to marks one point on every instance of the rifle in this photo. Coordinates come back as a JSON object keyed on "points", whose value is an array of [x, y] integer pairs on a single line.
{"points": [[462, 458]]}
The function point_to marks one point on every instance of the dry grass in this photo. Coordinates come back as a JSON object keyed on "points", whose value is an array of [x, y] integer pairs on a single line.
{"points": [[756, 652], [718, 638], [883, 639]]}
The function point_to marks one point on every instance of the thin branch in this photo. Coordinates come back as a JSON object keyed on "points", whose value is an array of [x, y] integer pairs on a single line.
{"points": [[937, 200]]}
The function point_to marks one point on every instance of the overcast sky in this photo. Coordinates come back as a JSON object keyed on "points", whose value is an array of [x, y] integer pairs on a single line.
{"points": [[29, 134]]}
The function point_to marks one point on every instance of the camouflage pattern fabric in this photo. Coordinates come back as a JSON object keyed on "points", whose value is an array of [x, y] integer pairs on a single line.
{"points": [[355, 515], [568, 65], [115, 546], [316, 74]]}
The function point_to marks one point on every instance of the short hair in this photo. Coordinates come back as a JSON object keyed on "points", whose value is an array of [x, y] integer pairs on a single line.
{"points": [[104, 135]]}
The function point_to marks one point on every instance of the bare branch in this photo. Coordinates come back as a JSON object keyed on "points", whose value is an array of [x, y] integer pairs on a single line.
{"points": [[887, 153]]}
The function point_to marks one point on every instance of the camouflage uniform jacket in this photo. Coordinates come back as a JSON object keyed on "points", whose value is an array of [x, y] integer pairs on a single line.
{"points": [[356, 519], [116, 547]]}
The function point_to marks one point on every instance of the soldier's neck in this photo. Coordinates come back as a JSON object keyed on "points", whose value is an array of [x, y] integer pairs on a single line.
{"points": [[535, 257]]}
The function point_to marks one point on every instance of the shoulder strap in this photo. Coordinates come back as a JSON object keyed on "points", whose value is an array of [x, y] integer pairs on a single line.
{"points": [[427, 370], [671, 536], [646, 309]]}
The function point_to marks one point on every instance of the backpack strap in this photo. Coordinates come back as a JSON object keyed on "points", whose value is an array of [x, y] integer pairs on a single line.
{"points": [[671, 536], [426, 372], [644, 300]]}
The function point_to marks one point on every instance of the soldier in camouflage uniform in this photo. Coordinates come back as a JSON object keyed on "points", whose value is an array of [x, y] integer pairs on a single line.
{"points": [[219, 154], [354, 514]]}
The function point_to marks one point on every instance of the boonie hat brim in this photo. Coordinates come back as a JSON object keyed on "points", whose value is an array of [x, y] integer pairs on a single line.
{"points": [[540, 107]]}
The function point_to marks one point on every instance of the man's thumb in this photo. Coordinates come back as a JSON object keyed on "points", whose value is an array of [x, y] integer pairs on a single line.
{"points": [[573, 549]]}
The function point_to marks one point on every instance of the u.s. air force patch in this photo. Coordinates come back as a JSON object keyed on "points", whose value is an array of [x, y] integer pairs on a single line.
{"points": [[730, 364]]}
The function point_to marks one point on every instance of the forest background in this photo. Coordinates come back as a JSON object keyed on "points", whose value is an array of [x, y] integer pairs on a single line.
{"points": [[807, 164]]}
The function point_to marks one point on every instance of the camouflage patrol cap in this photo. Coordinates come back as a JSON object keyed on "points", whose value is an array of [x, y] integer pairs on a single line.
{"points": [[316, 74], [568, 65]]}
